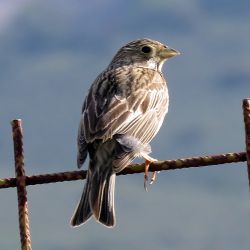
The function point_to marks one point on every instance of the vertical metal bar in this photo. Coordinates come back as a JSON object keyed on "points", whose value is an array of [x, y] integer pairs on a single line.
{"points": [[246, 113], [21, 188]]}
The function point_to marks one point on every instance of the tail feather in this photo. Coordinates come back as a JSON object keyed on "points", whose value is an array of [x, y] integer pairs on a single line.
{"points": [[107, 216], [98, 183], [83, 211]]}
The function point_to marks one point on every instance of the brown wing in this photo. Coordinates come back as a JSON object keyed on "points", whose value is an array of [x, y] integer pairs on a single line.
{"points": [[125, 100]]}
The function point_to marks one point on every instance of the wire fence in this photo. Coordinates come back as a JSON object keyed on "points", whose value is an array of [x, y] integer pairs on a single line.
{"points": [[21, 180]]}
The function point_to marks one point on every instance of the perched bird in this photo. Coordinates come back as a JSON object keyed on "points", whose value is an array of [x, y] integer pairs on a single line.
{"points": [[121, 114]]}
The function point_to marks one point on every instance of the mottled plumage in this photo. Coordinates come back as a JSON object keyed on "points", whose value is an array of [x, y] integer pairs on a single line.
{"points": [[121, 114]]}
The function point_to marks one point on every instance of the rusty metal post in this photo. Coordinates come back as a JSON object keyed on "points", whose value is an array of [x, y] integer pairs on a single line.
{"points": [[246, 113], [21, 188]]}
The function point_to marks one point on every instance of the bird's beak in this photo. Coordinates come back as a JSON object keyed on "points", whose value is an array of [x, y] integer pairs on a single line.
{"points": [[168, 52]]}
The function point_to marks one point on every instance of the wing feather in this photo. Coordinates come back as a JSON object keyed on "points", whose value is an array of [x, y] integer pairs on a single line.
{"points": [[125, 105]]}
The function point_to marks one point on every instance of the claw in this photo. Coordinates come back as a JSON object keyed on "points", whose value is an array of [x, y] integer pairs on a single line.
{"points": [[148, 160], [147, 163], [153, 178]]}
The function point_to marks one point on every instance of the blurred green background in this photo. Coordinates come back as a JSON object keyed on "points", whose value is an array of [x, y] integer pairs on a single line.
{"points": [[52, 50]]}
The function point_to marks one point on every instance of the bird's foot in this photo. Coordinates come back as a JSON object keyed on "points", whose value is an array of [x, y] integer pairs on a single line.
{"points": [[149, 160]]}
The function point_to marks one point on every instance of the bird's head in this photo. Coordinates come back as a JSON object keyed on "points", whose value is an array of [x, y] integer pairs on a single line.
{"points": [[144, 53]]}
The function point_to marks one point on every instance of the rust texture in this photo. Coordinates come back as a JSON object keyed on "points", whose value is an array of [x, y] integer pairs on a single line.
{"points": [[200, 161], [20, 183], [132, 169], [246, 113], [45, 178]]}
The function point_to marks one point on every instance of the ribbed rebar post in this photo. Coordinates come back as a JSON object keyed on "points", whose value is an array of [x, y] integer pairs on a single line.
{"points": [[246, 113], [21, 186]]}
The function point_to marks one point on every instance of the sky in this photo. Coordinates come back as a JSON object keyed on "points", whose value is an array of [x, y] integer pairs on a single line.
{"points": [[51, 51]]}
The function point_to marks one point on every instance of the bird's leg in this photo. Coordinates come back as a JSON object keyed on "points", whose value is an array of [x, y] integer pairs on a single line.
{"points": [[148, 160]]}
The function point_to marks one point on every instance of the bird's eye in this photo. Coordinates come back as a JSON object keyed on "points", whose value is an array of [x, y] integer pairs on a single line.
{"points": [[146, 49]]}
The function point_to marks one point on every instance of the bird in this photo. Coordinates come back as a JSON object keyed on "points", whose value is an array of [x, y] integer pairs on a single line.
{"points": [[122, 112]]}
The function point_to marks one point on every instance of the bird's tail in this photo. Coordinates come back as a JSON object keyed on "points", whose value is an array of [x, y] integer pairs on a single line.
{"points": [[106, 159], [98, 194], [98, 201]]}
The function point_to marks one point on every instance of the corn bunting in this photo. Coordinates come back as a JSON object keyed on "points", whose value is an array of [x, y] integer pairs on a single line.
{"points": [[121, 114]]}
